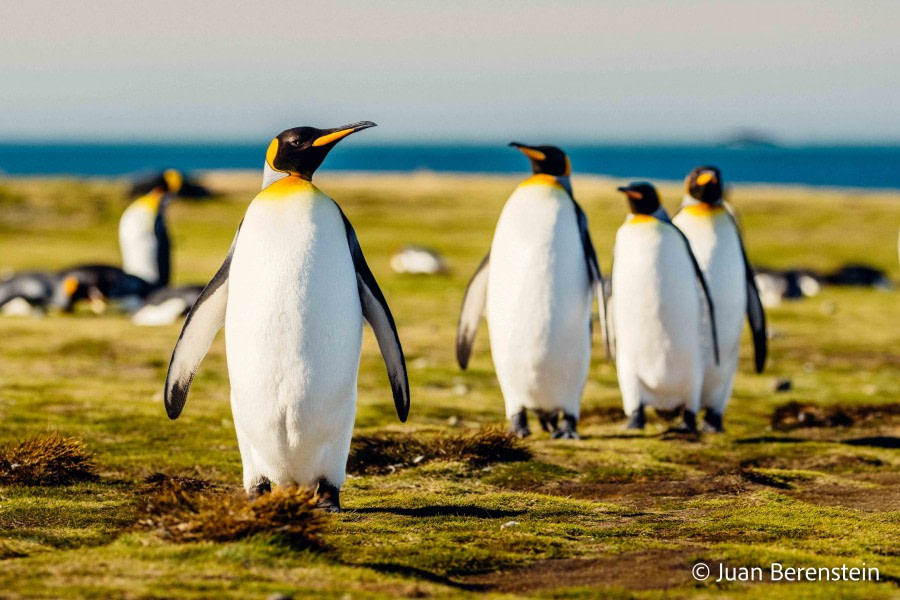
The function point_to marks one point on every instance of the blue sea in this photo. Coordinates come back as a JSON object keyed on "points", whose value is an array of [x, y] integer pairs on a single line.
{"points": [[832, 166]]}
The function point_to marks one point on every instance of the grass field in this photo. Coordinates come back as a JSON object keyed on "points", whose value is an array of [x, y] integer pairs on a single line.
{"points": [[615, 514]]}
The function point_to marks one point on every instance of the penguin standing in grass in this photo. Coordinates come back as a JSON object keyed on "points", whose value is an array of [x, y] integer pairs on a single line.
{"points": [[143, 236], [292, 294], [536, 286], [716, 241], [657, 311]]}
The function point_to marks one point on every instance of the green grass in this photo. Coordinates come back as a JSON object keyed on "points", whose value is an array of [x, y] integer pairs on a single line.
{"points": [[614, 514]]}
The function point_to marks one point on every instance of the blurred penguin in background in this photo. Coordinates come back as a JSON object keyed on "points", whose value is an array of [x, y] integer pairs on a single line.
{"points": [[716, 242], [536, 286], [143, 236], [657, 312]]}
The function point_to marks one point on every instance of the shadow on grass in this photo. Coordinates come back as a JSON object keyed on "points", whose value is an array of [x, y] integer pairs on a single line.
{"points": [[422, 574], [442, 510], [880, 441], [771, 439]]}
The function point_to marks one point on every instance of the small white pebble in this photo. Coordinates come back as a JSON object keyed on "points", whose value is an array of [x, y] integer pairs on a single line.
{"points": [[418, 459], [510, 524]]}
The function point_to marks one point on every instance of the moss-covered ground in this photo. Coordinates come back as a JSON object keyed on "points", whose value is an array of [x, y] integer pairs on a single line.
{"points": [[614, 514]]}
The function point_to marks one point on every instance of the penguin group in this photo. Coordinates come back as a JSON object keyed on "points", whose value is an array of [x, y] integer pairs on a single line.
{"points": [[140, 286], [294, 290]]}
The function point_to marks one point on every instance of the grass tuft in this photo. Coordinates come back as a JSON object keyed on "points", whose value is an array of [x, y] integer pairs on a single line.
{"points": [[797, 415], [383, 453], [46, 459], [181, 514]]}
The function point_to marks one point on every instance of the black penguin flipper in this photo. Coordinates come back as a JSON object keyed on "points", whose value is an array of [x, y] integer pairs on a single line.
{"points": [[595, 277], [163, 247], [705, 286], [472, 310], [756, 315], [203, 322], [376, 311]]}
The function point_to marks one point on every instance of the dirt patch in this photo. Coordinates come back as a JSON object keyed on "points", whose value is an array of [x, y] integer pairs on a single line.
{"points": [[601, 415], [648, 493], [884, 496], [797, 415], [46, 459], [384, 453], [160, 482], [650, 570], [179, 514]]}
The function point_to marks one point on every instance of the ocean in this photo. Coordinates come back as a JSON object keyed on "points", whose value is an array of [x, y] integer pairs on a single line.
{"points": [[832, 166]]}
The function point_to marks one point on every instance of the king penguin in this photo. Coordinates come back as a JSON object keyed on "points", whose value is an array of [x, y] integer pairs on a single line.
{"points": [[716, 240], [143, 237], [292, 294], [656, 314], [536, 287]]}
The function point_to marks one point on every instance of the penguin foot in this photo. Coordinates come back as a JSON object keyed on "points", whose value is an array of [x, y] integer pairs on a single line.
{"points": [[549, 420], [712, 422], [637, 419], [263, 487], [518, 424], [329, 496], [688, 424], [566, 430]]}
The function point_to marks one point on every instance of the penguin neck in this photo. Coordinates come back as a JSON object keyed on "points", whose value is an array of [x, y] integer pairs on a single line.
{"points": [[288, 185], [659, 214], [152, 201], [697, 207], [551, 180]]}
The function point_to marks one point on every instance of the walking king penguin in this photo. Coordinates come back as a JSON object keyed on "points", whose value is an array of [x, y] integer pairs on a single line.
{"points": [[292, 294], [657, 312], [537, 284], [143, 237], [716, 240]]}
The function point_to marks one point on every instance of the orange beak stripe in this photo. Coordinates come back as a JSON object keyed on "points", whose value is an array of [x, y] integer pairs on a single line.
{"points": [[332, 137]]}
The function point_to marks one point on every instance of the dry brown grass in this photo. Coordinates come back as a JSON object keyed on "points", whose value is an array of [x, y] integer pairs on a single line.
{"points": [[382, 453], [46, 459], [184, 513]]}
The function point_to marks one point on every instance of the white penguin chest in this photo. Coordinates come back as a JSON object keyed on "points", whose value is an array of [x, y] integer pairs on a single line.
{"points": [[293, 321], [717, 247]]}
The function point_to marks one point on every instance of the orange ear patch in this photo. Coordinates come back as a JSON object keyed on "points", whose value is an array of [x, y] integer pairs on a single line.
{"points": [[705, 177], [271, 152], [70, 284]]}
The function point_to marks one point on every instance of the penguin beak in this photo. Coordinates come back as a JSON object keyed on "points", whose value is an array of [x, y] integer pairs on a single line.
{"points": [[339, 133], [706, 177], [528, 151], [625, 189]]}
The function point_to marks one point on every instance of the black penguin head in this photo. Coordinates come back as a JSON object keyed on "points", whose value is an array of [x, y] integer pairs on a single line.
{"points": [[167, 182], [547, 160], [704, 184], [300, 151], [642, 197]]}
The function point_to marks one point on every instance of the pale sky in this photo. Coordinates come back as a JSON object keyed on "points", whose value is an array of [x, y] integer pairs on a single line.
{"points": [[641, 70]]}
